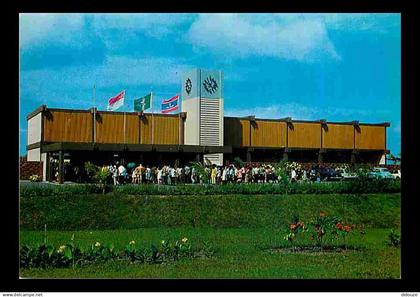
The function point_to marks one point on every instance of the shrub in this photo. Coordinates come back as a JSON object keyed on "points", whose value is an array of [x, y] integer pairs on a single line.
{"points": [[35, 178], [295, 228], [91, 170], [324, 228], [238, 162], [394, 239]]}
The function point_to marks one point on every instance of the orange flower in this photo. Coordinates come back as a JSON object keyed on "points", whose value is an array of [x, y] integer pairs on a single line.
{"points": [[293, 226]]}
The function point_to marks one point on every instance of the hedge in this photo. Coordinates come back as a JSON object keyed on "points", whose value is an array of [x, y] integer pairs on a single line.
{"points": [[356, 186]]}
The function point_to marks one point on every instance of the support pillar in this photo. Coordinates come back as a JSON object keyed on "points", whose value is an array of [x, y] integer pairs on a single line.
{"points": [[320, 157], [61, 167], [197, 158], [353, 158], [48, 167], [248, 156], [286, 156]]}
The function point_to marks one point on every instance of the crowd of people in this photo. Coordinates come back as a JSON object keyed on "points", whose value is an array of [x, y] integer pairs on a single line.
{"points": [[171, 175]]}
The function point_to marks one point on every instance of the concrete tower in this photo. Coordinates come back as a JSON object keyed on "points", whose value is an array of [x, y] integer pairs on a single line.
{"points": [[202, 100]]}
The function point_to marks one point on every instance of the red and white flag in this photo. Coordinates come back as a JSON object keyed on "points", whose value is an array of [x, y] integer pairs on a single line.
{"points": [[116, 102]]}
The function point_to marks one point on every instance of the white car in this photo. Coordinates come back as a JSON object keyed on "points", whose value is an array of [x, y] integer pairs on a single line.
{"points": [[380, 172], [397, 174], [346, 175]]}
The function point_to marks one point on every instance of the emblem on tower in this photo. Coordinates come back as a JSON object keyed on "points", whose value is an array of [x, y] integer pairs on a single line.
{"points": [[188, 86], [210, 85]]}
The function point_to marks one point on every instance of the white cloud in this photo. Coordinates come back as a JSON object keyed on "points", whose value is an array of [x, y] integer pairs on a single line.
{"points": [[379, 22], [274, 111], [35, 28], [152, 24], [303, 112], [115, 70], [293, 38]]}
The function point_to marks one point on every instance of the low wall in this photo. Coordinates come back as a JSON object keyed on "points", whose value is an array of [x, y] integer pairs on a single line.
{"points": [[28, 168]]}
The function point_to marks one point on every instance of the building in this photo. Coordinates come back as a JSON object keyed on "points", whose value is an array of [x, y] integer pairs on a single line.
{"points": [[200, 131]]}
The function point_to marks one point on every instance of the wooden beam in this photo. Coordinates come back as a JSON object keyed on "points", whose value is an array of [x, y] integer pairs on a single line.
{"points": [[61, 166]]}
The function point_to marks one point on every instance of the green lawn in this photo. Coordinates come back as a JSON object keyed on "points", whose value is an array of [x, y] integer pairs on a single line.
{"points": [[243, 229], [240, 253]]}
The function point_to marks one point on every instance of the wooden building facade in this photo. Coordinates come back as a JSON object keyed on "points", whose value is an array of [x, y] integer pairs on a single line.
{"points": [[100, 135]]}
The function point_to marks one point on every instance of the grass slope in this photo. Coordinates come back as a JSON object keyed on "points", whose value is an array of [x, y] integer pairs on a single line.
{"points": [[119, 211]]}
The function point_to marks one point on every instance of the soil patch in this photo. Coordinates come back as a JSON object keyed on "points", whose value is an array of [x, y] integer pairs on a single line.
{"points": [[314, 250]]}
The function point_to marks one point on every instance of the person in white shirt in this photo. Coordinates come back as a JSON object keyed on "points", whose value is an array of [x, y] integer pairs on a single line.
{"points": [[293, 176], [224, 173], [172, 174], [122, 172], [115, 175], [159, 176]]}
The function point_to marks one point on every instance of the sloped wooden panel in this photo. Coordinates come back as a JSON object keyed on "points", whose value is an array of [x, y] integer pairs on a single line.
{"points": [[338, 136], [132, 129], [370, 137], [236, 132], [67, 126], [166, 130], [146, 130], [268, 134], [109, 128], [305, 135]]}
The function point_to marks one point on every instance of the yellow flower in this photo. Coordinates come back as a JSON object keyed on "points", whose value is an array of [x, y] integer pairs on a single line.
{"points": [[61, 249], [184, 240], [132, 242], [97, 244], [163, 242]]}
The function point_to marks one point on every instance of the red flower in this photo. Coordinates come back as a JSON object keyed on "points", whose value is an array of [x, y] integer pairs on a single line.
{"points": [[293, 226]]}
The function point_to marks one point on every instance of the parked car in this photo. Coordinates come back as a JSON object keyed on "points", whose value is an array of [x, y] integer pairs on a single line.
{"points": [[346, 175], [397, 174], [330, 174], [379, 172]]}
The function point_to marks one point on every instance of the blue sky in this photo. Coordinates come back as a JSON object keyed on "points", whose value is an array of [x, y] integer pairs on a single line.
{"points": [[339, 67]]}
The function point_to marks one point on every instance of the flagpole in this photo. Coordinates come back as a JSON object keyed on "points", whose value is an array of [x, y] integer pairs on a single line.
{"points": [[153, 120], [124, 121], [94, 113]]}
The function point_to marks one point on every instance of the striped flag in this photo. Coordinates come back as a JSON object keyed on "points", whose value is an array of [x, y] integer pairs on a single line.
{"points": [[170, 104], [116, 102]]}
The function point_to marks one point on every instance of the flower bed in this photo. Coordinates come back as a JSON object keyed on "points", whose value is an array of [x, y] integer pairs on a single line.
{"points": [[70, 255]]}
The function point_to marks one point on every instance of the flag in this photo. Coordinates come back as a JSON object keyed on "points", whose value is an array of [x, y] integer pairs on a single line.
{"points": [[116, 102], [170, 104], [142, 103]]}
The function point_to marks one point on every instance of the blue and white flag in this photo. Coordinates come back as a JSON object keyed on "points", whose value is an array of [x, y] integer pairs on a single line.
{"points": [[170, 104]]}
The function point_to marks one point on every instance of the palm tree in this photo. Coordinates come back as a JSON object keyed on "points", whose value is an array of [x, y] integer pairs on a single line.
{"points": [[391, 157]]}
